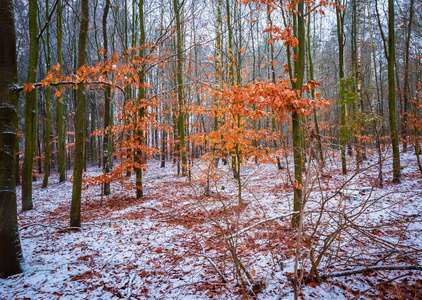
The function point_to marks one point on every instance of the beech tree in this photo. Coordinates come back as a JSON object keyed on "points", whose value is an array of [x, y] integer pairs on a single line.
{"points": [[30, 109], [75, 210], [141, 102], [299, 69], [47, 130], [10, 247], [343, 131], [390, 54], [178, 8], [60, 123], [107, 98]]}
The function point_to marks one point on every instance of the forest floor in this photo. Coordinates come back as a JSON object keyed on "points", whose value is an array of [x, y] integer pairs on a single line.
{"points": [[179, 243]]}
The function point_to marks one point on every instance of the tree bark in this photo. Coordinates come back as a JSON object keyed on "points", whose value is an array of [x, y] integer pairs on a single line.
{"points": [[10, 247], [406, 78], [75, 209], [30, 109], [343, 134], [47, 108], [296, 118], [311, 77], [180, 88], [60, 123], [141, 110], [391, 93], [107, 96]]}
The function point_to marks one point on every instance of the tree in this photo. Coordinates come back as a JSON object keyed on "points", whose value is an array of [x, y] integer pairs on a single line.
{"points": [[389, 51], [60, 124], [141, 100], [311, 77], [296, 118], [10, 247], [340, 38], [75, 209], [30, 109], [47, 107], [107, 96], [406, 77], [180, 88]]}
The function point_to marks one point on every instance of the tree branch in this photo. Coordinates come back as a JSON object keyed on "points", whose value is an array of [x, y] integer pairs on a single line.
{"points": [[370, 269], [240, 232]]}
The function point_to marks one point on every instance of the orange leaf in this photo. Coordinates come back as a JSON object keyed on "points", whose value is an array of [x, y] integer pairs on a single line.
{"points": [[28, 87]]}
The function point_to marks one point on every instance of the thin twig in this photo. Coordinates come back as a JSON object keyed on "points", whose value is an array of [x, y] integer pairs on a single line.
{"points": [[223, 279], [242, 231], [370, 269]]}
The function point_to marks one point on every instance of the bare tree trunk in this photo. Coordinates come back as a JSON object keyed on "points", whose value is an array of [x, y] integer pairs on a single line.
{"points": [[141, 111], [391, 93], [60, 123], [10, 247], [47, 108], [75, 209], [311, 77], [30, 109], [343, 133], [107, 96], [406, 78], [296, 118], [180, 89]]}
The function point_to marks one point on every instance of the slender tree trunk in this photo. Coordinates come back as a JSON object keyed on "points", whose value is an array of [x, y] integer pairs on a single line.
{"points": [[10, 247], [273, 80], [47, 108], [180, 89], [141, 101], [359, 146], [75, 209], [60, 123], [231, 72], [107, 96], [391, 93], [30, 109], [296, 118], [343, 133], [406, 78], [311, 77], [373, 105]]}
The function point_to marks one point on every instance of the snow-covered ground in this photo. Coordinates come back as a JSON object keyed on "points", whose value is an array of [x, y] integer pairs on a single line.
{"points": [[175, 242]]}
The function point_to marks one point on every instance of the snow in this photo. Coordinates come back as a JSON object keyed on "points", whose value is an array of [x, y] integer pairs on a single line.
{"points": [[169, 244]]}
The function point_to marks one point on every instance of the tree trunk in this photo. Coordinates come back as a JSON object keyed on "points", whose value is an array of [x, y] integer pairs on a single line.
{"points": [[47, 108], [60, 123], [180, 88], [10, 247], [343, 133], [107, 96], [141, 110], [75, 209], [30, 109], [391, 93], [311, 77], [296, 118], [273, 80], [406, 79]]}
